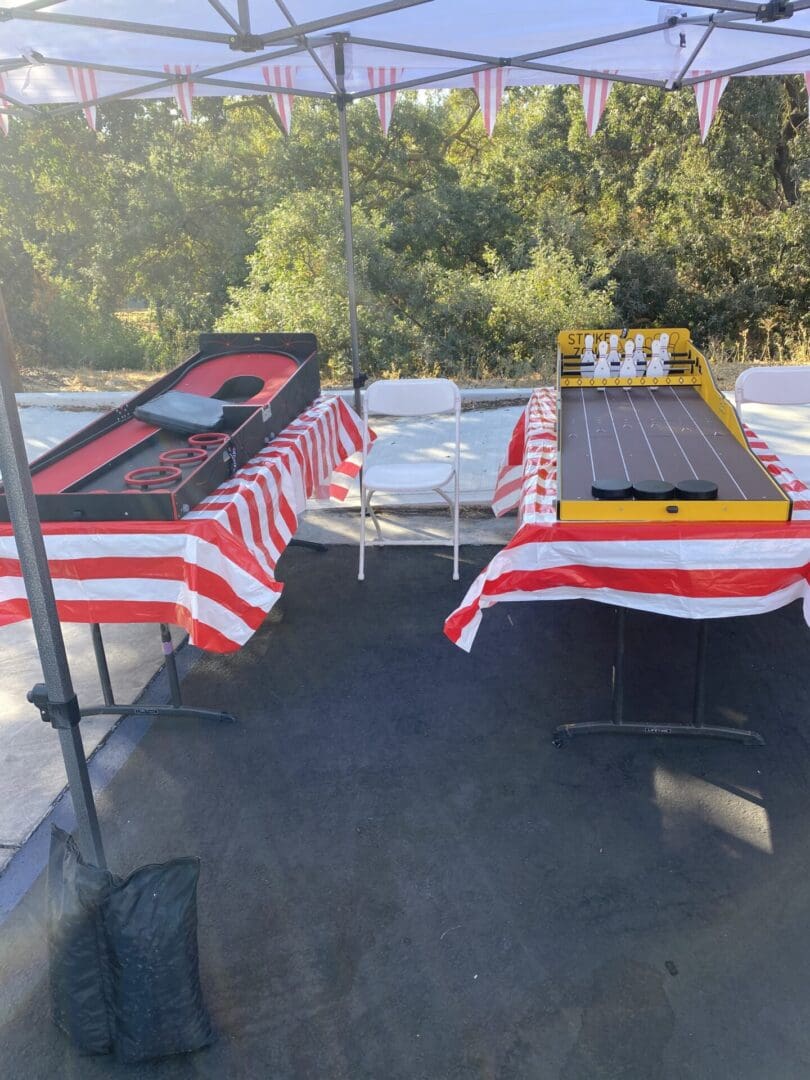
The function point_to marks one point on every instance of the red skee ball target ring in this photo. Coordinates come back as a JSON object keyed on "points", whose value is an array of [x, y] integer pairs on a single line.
{"points": [[183, 456], [209, 440], [153, 476]]}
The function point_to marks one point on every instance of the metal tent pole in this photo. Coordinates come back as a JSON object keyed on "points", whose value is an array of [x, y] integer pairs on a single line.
{"points": [[57, 702], [340, 71]]}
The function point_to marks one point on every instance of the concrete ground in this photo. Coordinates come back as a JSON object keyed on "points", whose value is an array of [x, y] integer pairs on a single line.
{"points": [[31, 770], [404, 880]]}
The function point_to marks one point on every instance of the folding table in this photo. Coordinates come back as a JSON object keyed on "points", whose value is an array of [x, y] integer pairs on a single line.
{"points": [[212, 572], [691, 570]]}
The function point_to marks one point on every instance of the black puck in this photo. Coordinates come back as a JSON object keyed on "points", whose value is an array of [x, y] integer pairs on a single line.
{"points": [[695, 489], [653, 489], [612, 489]]}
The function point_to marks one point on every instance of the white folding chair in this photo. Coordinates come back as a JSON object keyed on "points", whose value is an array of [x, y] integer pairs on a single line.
{"points": [[409, 397], [776, 386]]}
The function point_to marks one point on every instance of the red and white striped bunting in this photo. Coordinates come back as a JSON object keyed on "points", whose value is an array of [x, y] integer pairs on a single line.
{"points": [[213, 572], [4, 117], [384, 76], [83, 82], [708, 96], [281, 75], [489, 86], [693, 570], [183, 88], [595, 93]]}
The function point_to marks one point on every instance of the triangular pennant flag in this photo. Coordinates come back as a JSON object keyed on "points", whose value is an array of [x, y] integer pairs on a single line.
{"points": [[385, 76], [807, 84], [281, 75], [183, 88], [4, 117], [489, 86], [708, 96], [83, 81], [595, 93]]}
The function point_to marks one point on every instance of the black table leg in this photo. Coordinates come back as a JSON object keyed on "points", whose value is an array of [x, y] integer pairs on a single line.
{"points": [[101, 665], [171, 665], [617, 689], [176, 708], [699, 706], [617, 725]]}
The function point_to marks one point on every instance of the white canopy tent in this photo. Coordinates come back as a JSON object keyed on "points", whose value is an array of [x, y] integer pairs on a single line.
{"points": [[438, 43], [64, 53]]}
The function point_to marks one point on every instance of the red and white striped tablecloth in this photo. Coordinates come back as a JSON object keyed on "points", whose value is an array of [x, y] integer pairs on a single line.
{"points": [[694, 570], [212, 572]]}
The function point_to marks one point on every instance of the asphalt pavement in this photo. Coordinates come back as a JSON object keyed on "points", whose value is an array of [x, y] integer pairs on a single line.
{"points": [[403, 879]]}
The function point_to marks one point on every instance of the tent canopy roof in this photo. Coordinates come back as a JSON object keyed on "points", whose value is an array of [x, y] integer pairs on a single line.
{"points": [[141, 48]]}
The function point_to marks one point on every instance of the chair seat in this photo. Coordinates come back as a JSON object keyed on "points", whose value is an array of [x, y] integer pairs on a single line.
{"points": [[413, 476]]}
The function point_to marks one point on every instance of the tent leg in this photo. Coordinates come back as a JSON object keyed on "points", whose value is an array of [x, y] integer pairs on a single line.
{"points": [[348, 232], [62, 706]]}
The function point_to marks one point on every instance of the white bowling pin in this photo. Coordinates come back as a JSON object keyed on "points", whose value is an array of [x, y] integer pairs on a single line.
{"points": [[665, 357], [613, 356], [638, 353], [628, 368], [587, 360], [602, 367], [655, 367]]}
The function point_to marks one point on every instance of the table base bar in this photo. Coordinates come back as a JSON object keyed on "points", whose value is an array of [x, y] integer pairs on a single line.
{"points": [[638, 727], [175, 708], [617, 725]]}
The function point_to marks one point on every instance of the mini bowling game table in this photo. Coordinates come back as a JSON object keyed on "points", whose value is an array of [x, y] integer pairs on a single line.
{"points": [[643, 491]]}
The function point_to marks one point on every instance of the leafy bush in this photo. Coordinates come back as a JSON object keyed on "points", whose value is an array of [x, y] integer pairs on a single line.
{"points": [[471, 253], [70, 331]]}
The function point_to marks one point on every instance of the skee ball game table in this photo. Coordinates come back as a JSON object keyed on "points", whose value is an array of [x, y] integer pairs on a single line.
{"points": [[743, 551], [195, 544]]}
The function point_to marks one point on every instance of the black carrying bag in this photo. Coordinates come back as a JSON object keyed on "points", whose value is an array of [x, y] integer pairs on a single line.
{"points": [[77, 949], [124, 964]]}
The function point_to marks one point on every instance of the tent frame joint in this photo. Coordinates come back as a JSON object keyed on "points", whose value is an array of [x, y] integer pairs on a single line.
{"points": [[774, 11], [61, 715], [246, 42]]}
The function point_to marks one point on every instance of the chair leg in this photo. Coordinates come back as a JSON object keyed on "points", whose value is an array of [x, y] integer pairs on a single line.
{"points": [[361, 570], [456, 500], [375, 520], [453, 506]]}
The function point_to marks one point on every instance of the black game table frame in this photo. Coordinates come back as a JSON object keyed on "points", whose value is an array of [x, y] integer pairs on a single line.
{"points": [[617, 725], [175, 707]]}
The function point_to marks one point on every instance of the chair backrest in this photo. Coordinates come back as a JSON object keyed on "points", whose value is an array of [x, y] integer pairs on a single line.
{"points": [[412, 397], [773, 386]]}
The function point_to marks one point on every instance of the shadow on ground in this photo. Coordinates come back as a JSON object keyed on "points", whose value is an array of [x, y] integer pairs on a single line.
{"points": [[404, 880]]}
